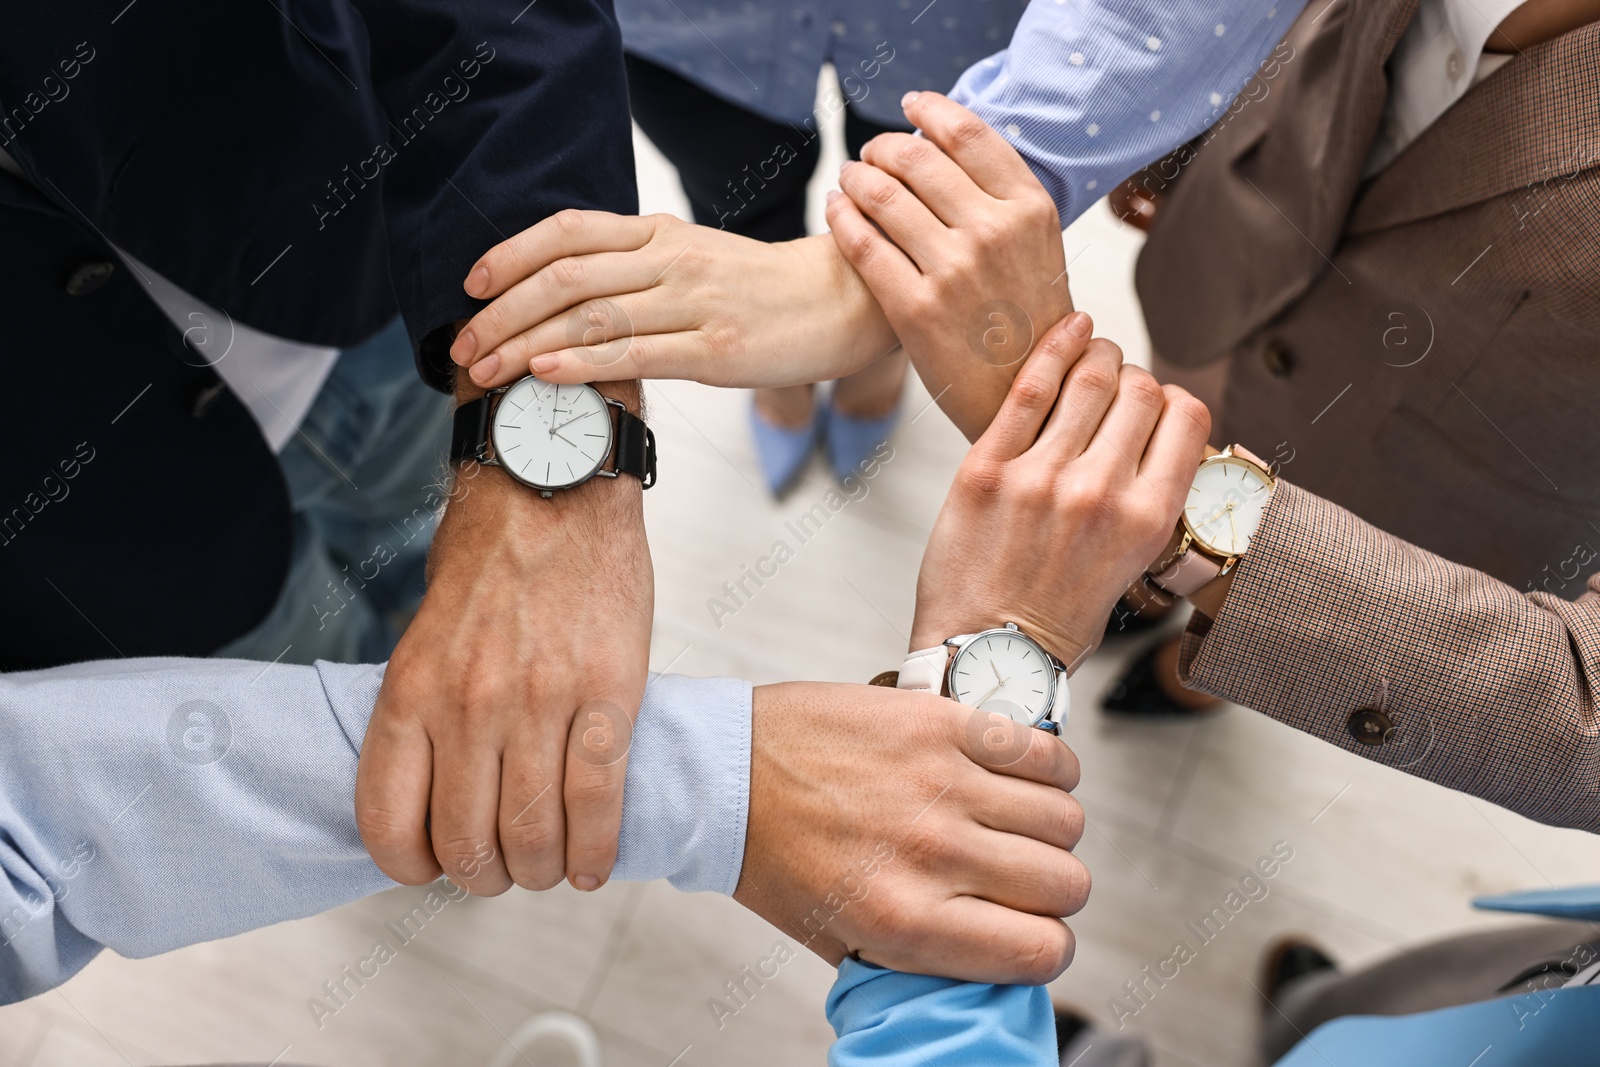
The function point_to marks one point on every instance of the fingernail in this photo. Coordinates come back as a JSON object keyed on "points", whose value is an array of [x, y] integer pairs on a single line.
{"points": [[465, 346], [833, 194], [544, 364], [905, 101], [588, 883], [478, 281], [846, 165], [484, 370], [1078, 324]]}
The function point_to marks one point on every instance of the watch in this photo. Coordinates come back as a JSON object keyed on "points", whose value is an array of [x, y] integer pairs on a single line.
{"points": [[1222, 513], [1001, 670], [552, 437]]}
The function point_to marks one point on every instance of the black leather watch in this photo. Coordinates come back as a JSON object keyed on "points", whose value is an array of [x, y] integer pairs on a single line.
{"points": [[553, 437]]}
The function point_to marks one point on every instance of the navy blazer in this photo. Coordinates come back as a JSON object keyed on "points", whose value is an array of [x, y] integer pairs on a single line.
{"points": [[307, 166]]}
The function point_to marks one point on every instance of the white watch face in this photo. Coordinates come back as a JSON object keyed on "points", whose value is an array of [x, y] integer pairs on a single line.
{"points": [[551, 436], [1003, 671], [1225, 505]]}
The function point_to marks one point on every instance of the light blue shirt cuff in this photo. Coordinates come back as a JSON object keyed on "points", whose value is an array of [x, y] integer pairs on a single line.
{"points": [[884, 1018]]}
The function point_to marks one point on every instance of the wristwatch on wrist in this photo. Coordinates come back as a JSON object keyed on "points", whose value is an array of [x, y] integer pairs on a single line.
{"points": [[1002, 670], [553, 437], [1224, 508]]}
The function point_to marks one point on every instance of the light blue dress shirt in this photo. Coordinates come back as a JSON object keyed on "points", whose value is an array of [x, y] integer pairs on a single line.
{"points": [[148, 804], [764, 55], [1092, 91]]}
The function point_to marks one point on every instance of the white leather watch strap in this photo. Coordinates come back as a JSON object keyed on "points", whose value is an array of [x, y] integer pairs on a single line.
{"points": [[924, 670]]}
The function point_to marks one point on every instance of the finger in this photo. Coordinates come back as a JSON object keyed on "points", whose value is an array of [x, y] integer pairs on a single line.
{"points": [[996, 743], [532, 821], [392, 784], [897, 211], [944, 188], [1043, 813], [599, 332], [684, 355], [973, 940], [464, 814], [1177, 446], [882, 264], [566, 233], [597, 763], [1090, 390], [1036, 388], [975, 147], [547, 293], [1019, 873], [1125, 431]]}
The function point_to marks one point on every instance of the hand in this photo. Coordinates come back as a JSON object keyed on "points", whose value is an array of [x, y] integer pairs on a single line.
{"points": [[1065, 500], [912, 832], [968, 267], [588, 296], [499, 740]]}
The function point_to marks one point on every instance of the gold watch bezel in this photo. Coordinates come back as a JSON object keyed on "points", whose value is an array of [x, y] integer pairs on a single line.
{"points": [[1191, 538]]}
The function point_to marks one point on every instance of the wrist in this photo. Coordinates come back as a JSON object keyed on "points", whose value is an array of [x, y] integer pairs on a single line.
{"points": [[863, 329]]}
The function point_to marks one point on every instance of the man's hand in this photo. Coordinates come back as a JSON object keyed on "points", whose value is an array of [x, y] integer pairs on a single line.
{"points": [[912, 832], [588, 296], [499, 741], [1065, 500], [971, 272]]}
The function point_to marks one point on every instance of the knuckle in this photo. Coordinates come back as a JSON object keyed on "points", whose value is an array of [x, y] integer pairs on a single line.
{"points": [[881, 193], [968, 130], [1076, 883], [535, 835], [911, 153], [1095, 377], [1185, 407], [1140, 387], [569, 221], [1034, 389], [980, 476], [591, 788], [1041, 960], [567, 273], [1071, 821], [990, 232], [859, 248]]}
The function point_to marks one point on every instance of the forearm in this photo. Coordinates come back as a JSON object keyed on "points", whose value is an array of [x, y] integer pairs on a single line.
{"points": [[215, 797], [1389, 651]]}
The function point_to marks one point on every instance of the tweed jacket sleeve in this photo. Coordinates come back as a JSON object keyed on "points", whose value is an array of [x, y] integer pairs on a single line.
{"points": [[1375, 645]]}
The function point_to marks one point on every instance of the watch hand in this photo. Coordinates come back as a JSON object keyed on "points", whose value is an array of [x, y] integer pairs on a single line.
{"points": [[1220, 512], [1234, 528], [981, 701], [572, 420], [996, 670], [562, 436]]}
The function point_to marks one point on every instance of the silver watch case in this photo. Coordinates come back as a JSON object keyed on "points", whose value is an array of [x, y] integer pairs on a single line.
{"points": [[1059, 703]]}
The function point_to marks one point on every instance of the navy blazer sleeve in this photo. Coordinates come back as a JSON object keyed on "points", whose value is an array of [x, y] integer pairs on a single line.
{"points": [[497, 118]]}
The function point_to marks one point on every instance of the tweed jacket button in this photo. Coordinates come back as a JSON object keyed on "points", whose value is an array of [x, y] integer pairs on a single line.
{"points": [[1370, 726], [1278, 359], [87, 277]]}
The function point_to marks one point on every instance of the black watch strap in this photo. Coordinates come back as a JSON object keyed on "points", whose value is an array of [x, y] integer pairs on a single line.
{"points": [[634, 452], [469, 436]]}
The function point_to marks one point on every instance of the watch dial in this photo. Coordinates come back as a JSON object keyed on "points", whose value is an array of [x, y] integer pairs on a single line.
{"points": [[1004, 672], [551, 436], [1225, 505]]}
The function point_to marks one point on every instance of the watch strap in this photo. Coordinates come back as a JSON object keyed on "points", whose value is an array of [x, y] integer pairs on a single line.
{"points": [[924, 670], [469, 433], [636, 448]]}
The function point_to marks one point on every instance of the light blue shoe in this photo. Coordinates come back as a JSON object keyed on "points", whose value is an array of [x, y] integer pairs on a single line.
{"points": [[851, 441], [784, 452]]}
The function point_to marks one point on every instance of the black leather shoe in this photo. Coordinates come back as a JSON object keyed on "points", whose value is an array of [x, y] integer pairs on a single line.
{"points": [[1127, 622], [1289, 959], [1137, 693], [1068, 1025]]}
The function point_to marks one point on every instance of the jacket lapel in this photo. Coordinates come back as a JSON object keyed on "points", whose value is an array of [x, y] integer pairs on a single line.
{"points": [[1535, 120]]}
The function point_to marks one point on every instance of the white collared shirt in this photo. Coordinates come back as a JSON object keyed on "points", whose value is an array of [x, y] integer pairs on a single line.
{"points": [[1438, 59]]}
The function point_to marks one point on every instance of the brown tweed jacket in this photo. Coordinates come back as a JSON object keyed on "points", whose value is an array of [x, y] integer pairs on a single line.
{"points": [[1422, 349]]}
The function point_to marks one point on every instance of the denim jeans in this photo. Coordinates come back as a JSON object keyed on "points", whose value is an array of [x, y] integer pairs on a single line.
{"points": [[365, 473]]}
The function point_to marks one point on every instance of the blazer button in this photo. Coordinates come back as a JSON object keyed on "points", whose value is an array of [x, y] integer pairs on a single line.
{"points": [[1371, 726], [1278, 359], [87, 277]]}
